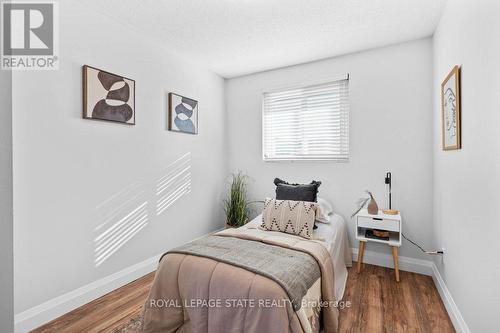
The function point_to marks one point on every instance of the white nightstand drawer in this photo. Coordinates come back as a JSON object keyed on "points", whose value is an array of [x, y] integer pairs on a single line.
{"points": [[375, 223]]}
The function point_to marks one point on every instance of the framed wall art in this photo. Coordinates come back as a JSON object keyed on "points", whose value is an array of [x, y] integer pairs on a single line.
{"points": [[108, 96], [450, 110], [182, 114]]}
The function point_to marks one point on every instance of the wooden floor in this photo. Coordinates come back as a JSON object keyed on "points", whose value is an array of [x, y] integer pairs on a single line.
{"points": [[380, 304], [105, 313], [377, 304]]}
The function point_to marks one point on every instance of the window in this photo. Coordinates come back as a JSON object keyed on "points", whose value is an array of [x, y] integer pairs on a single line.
{"points": [[307, 123]]}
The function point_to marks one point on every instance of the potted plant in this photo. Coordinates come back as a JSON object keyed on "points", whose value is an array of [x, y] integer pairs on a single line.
{"points": [[236, 205]]}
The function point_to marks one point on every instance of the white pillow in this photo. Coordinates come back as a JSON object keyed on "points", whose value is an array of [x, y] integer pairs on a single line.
{"points": [[325, 210]]}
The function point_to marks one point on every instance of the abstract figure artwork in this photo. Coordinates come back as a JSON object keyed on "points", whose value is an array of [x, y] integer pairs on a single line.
{"points": [[183, 114], [108, 96], [450, 112]]}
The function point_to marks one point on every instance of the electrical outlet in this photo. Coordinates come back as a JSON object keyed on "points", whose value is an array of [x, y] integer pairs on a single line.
{"points": [[443, 255]]}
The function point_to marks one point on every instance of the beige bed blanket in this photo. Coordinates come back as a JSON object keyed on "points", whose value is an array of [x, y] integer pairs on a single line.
{"points": [[197, 294]]}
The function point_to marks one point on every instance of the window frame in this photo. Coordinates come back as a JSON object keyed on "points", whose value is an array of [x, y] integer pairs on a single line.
{"points": [[298, 86]]}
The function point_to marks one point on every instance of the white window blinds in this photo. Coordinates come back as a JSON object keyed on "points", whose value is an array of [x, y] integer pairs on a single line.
{"points": [[307, 123]]}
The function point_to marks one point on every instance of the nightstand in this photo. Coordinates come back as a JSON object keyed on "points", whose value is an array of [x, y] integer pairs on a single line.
{"points": [[381, 221]]}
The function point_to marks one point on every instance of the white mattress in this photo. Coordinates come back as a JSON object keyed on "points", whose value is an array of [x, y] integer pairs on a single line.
{"points": [[334, 237]]}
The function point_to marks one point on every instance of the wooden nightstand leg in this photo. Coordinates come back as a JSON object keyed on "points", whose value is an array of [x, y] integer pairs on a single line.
{"points": [[395, 257], [361, 252]]}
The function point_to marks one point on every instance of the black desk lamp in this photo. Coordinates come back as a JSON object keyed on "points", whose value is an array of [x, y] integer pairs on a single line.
{"points": [[388, 182]]}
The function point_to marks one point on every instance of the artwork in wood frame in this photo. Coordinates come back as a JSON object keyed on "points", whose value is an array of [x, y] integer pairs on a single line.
{"points": [[450, 110], [182, 114], [107, 96]]}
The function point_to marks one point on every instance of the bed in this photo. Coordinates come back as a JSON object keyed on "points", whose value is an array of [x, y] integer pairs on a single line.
{"points": [[200, 293]]}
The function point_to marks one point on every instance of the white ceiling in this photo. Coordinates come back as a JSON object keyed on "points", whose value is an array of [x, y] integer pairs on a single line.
{"points": [[237, 37]]}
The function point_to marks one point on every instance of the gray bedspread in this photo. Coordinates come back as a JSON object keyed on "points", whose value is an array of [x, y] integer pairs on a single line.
{"points": [[295, 271]]}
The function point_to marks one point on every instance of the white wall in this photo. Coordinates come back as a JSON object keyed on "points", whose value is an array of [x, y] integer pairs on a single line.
{"points": [[467, 181], [391, 110], [74, 179], [6, 217]]}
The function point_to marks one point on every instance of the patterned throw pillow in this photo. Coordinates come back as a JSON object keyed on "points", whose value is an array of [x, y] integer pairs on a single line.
{"points": [[292, 217]]}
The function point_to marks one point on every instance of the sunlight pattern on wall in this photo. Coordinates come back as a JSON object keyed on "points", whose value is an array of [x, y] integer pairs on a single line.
{"points": [[109, 210], [174, 184], [119, 233], [122, 216]]}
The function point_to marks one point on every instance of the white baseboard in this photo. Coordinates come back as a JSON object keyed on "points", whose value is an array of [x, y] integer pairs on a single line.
{"points": [[408, 264], [450, 305], [56, 307], [425, 267]]}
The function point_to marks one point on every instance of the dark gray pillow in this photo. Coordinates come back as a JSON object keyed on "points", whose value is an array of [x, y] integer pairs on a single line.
{"points": [[296, 192]]}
